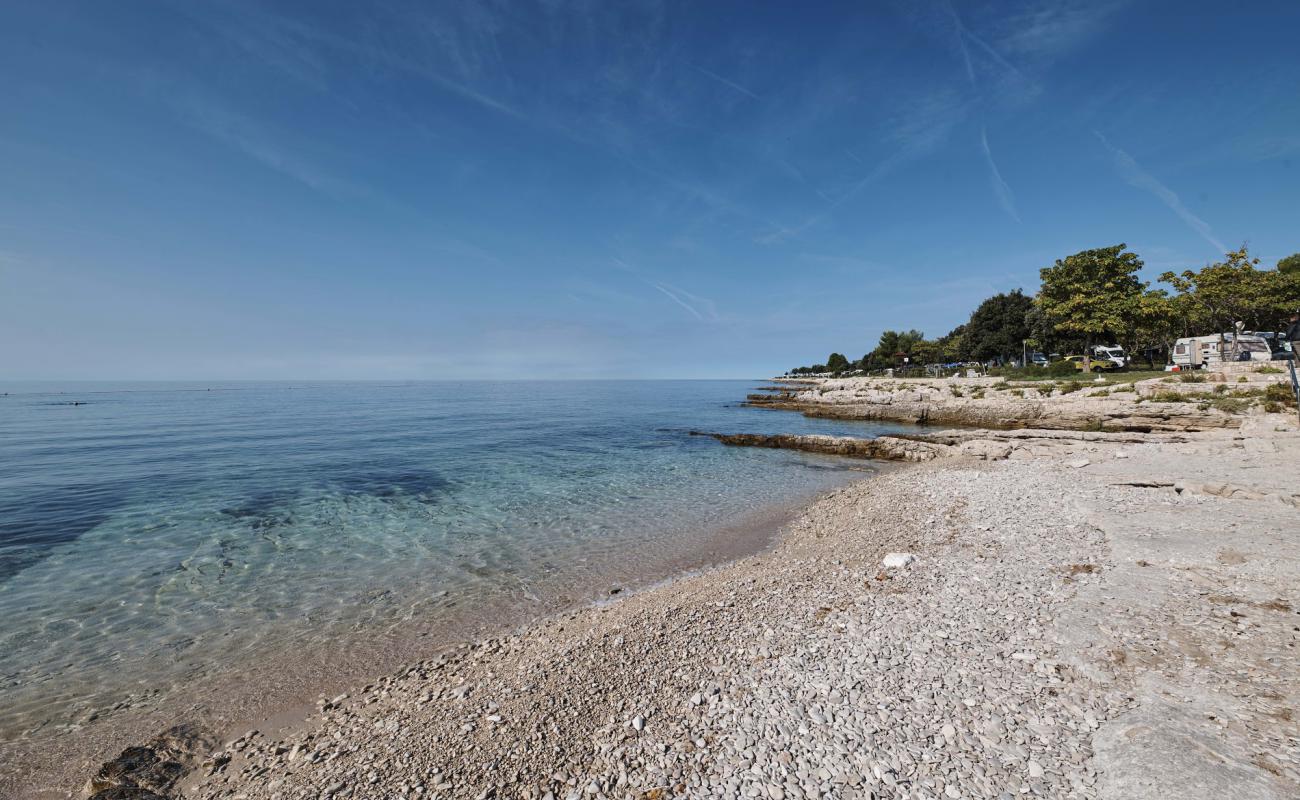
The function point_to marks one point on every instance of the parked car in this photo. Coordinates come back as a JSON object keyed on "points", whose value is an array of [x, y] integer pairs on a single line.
{"points": [[1038, 359], [1094, 364], [1277, 344]]}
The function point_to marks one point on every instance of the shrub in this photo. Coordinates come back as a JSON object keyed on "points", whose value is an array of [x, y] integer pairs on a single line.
{"points": [[1279, 393], [1230, 405], [1191, 377], [1269, 370], [1059, 369], [1070, 386], [1167, 396], [1128, 387]]}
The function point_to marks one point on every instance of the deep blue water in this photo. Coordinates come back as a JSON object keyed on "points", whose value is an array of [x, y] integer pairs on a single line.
{"points": [[154, 527]]}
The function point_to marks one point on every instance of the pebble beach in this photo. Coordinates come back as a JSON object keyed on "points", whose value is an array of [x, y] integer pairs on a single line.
{"points": [[1085, 619], [1027, 614]]}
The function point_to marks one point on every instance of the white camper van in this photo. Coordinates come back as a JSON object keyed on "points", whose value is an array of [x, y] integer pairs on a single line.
{"points": [[1197, 352], [1112, 353]]}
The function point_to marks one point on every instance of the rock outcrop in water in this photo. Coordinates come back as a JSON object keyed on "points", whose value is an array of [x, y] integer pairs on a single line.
{"points": [[885, 448], [988, 445]]}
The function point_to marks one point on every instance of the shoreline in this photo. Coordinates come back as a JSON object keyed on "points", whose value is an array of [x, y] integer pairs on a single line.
{"points": [[1076, 623], [58, 765], [995, 649]]}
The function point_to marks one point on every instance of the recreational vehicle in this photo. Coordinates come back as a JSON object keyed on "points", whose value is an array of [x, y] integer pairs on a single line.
{"points": [[1197, 352]]}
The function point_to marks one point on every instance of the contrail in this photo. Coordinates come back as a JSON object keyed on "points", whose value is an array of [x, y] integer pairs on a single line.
{"points": [[1000, 187], [726, 82], [1136, 176]]}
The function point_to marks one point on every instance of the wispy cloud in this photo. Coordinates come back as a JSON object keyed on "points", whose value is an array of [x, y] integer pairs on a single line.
{"points": [[1133, 173], [408, 60], [701, 308], [1003, 81], [1045, 29], [917, 130], [990, 74], [959, 38], [251, 138], [1000, 187], [726, 82]]}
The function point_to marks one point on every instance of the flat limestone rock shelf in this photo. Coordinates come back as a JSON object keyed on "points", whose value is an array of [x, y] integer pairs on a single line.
{"points": [[991, 445], [885, 448], [1153, 405]]}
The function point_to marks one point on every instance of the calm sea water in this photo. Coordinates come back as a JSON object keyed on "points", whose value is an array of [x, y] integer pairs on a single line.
{"points": [[148, 532]]}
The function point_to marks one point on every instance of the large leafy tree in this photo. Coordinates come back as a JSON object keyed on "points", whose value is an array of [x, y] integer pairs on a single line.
{"points": [[999, 327], [836, 362], [1289, 265], [1091, 294], [1221, 294]]}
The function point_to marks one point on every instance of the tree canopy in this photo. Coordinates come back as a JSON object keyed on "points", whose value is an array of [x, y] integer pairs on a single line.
{"points": [[999, 327], [1221, 294], [1098, 294], [1091, 293]]}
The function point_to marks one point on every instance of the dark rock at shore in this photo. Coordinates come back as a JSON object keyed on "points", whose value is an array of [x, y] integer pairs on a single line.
{"points": [[149, 772], [127, 793], [887, 448]]}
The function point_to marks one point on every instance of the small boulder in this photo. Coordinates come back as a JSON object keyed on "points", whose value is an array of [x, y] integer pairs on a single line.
{"points": [[897, 560]]}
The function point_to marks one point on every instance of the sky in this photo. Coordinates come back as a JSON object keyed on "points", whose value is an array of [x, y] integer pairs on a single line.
{"points": [[633, 189]]}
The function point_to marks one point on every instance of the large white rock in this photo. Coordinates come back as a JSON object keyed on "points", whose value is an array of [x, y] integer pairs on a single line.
{"points": [[897, 560]]}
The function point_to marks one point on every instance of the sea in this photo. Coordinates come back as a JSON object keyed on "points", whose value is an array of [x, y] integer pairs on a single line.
{"points": [[155, 536]]}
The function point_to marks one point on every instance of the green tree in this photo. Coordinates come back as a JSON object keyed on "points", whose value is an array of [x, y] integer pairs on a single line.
{"points": [[952, 345], [999, 327], [1091, 294], [891, 342], [1283, 292], [1221, 294], [836, 362], [925, 352], [1158, 321], [1289, 265]]}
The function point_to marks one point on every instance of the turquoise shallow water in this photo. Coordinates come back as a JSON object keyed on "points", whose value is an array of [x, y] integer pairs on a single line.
{"points": [[150, 533]]}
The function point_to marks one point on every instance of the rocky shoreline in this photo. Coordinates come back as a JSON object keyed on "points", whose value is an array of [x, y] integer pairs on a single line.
{"points": [[1153, 405], [1076, 613]]}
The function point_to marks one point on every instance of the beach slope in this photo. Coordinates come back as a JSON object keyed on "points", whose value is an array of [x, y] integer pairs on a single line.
{"points": [[1079, 617]]}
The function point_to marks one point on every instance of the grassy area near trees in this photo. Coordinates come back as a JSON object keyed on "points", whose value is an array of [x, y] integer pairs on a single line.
{"points": [[1098, 297]]}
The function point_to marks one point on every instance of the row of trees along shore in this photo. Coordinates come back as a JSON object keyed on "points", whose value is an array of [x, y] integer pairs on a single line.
{"points": [[1097, 297]]}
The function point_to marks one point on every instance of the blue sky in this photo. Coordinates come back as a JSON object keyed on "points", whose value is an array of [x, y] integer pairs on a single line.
{"points": [[632, 189]]}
